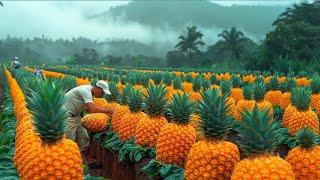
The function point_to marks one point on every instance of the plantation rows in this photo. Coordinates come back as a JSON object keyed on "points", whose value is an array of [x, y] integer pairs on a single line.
{"points": [[170, 125]]}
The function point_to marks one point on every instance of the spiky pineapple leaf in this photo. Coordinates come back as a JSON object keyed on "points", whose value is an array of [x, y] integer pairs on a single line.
{"points": [[155, 100], [49, 113], [306, 138], [180, 109], [213, 110], [301, 97], [259, 91], [257, 135], [135, 100]]}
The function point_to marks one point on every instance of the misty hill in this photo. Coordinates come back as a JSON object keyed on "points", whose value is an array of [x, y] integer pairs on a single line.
{"points": [[176, 15]]}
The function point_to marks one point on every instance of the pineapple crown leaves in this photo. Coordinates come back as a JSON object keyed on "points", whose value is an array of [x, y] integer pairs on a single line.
{"points": [[113, 87], [188, 78], [306, 138], [46, 104], [260, 79], [167, 79], [274, 83], [301, 98], [257, 135], [213, 110], [157, 78], [155, 100], [236, 81], [205, 84], [213, 79], [180, 109], [135, 100], [196, 84], [177, 83], [247, 92], [225, 86], [315, 84], [259, 90], [123, 96], [289, 85]]}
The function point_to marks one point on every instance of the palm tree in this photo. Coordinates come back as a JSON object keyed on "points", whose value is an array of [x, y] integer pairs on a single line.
{"points": [[232, 41], [188, 45]]}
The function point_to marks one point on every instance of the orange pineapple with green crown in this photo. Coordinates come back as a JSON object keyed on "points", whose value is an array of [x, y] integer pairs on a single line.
{"points": [[213, 157], [258, 139], [305, 158]]}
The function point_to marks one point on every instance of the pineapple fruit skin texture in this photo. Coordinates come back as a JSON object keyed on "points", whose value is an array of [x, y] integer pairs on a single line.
{"points": [[174, 143], [315, 103], [59, 161], [236, 93], [274, 97], [295, 120], [95, 122], [285, 100], [305, 162], [129, 123], [266, 105], [243, 105], [119, 112], [211, 160], [263, 167], [148, 130]]}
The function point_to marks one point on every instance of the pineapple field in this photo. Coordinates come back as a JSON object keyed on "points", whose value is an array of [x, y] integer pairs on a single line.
{"points": [[166, 124]]}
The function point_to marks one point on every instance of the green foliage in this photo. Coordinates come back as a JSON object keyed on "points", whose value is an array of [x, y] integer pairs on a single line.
{"points": [[188, 44], [257, 135], [306, 138], [133, 153], [135, 100], [232, 42], [166, 171], [180, 109], [46, 104], [154, 100], [215, 122], [301, 97]]}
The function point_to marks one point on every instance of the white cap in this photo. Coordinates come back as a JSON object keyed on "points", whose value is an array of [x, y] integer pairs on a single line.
{"points": [[103, 85]]}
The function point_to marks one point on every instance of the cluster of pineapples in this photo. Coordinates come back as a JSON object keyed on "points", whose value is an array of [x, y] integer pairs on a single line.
{"points": [[188, 122], [42, 150]]}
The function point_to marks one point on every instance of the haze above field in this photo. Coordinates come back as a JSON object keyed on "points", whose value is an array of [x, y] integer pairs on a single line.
{"points": [[147, 22], [150, 27]]}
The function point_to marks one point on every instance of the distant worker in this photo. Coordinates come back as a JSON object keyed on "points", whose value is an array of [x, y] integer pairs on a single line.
{"points": [[77, 100], [39, 73], [15, 63]]}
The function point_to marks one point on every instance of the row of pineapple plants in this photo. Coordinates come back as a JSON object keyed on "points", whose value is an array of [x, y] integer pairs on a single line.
{"points": [[41, 148], [259, 95], [7, 136]]}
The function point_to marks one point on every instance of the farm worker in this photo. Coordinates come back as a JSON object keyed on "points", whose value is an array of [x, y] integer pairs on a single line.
{"points": [[15, 63], [39, 73], [77, 100]]}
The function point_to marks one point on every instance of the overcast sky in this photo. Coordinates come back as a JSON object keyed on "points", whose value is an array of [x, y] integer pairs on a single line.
{"points": [[66, 19]]}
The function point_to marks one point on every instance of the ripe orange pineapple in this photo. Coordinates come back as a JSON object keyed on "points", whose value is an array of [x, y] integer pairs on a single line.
{"points": [[274, 96], [236, 91], [258, 139], [195, 94], [259, 91], [212, 157], [121, 109], [55, 157], [287, 87], [147, 130], [176, 138], [305, 158], [245, 104], [130, 120], [301, 115], [95, 122]]}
